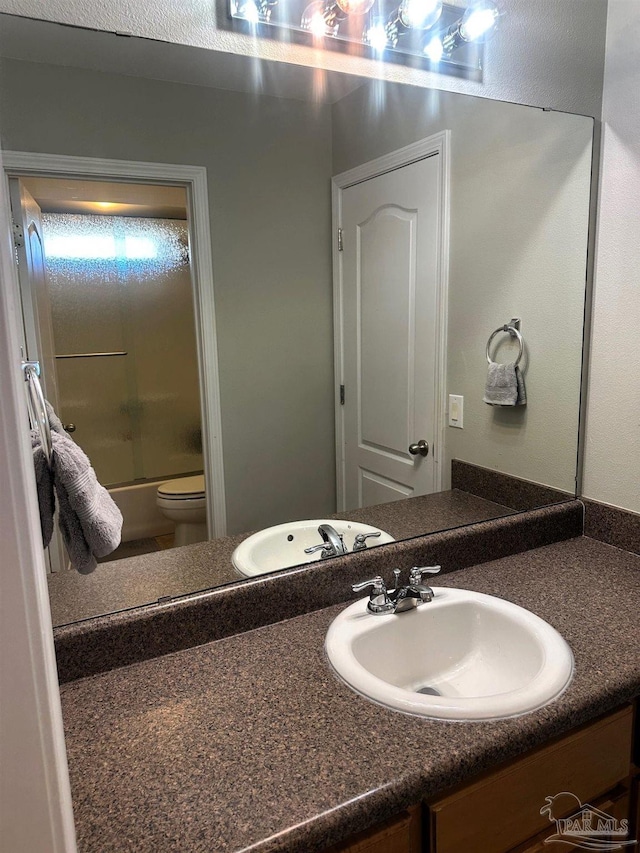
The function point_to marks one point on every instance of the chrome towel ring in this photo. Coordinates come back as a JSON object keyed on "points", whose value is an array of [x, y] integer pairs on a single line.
{"points": [[37, 408], [513, 331]]}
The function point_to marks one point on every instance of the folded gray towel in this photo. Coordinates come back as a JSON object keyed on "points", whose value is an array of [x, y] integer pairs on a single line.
{"points": [[44, 487], [90, 521], [505, 386]]}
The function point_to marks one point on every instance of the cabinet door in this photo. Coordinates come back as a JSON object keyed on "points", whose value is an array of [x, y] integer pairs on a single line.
{"points": [[616, 805], [635, 808], [399, 835]]}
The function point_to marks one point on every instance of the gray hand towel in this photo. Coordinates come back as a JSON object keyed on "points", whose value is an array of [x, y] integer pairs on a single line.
{"points": [[44, 487], [505, 386], [54, 421], [90, 521], [522, 391]]}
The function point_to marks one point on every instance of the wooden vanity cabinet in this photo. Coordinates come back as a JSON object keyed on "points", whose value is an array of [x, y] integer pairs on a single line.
{"points": [[402, 834], [500, 811]]}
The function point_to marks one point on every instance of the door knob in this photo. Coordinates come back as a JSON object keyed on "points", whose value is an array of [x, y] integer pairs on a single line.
{"points": [[421, 448], [69, 427]]}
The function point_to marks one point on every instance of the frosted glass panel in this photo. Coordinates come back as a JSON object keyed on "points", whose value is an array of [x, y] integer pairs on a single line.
{"points": [[92, 395], [122, 285]]}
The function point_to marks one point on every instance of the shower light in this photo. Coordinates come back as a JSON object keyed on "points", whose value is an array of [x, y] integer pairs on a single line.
{"points": [[419, 14]]}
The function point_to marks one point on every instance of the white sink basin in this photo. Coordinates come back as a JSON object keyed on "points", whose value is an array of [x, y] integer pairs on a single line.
{"points": [[283, 546], [462, 656]]}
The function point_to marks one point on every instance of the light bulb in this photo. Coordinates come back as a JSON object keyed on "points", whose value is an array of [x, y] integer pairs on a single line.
{"points": [[376, 35], [355, 7], [433, 49], [419, 14], [316, 20], [247, 10], [479, 21]]}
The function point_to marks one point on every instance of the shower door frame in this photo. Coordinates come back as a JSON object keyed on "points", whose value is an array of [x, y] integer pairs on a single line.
{"points": [[193, 179]]}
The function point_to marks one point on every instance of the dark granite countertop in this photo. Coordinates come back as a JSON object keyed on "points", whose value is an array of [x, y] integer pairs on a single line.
{"points": [[144, 579], [251, 742]]}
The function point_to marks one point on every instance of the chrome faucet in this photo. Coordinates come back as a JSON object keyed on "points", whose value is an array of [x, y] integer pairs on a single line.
{"points": [[400, 598], [332, 544]]}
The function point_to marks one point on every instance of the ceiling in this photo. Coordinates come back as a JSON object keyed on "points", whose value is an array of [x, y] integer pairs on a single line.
{"points": [[57, 44], [69, 195]]}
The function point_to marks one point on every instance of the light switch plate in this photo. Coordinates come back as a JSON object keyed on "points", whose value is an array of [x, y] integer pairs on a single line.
{"points": [[456, 410]]}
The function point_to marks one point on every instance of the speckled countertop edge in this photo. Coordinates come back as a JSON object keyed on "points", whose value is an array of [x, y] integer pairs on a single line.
{"points": [[206, 750]]}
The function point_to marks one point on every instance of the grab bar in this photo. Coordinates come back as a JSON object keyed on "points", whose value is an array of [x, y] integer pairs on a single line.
{"points": [[37, 408]]}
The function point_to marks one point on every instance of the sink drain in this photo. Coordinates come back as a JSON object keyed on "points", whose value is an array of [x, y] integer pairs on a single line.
{"points": [[429, 691]]}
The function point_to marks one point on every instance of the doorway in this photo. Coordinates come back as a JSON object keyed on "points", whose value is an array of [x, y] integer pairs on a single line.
{"points": [[390, 283], [117, 327]]}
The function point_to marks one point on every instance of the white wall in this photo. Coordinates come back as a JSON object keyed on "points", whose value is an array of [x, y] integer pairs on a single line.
{"points": [[612, 451], [520, 181], [549, 52]]}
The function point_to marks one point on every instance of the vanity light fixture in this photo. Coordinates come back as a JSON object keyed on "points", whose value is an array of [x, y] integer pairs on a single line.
{"points": [[478, 24], [446, 38]]}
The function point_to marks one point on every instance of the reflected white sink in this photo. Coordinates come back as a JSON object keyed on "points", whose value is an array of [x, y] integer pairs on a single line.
{"points": [[283, 546], [476, 657]]}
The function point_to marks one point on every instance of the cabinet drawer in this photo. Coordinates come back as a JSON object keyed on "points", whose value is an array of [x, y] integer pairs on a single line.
{"points": [[502, 809]]}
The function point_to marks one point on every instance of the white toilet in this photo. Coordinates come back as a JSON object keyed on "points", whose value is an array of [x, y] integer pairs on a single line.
{"points": [[185, 503]]}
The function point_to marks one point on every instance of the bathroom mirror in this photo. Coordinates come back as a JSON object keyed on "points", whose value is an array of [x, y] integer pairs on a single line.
{"points": [[341, 373]]}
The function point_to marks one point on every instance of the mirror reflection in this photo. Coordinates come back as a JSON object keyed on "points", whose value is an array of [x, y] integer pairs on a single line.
{"points": [[267, 299]]}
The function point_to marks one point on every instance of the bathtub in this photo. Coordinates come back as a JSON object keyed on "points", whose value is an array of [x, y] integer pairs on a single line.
{"points": [[142, 518]]}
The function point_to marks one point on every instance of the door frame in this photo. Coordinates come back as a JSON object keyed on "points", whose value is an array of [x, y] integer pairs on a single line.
{"points": [[194, 179], [437, 144]]}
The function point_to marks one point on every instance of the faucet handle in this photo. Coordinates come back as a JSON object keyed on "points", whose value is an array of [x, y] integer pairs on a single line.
{"points": [[361, 538], [377, 583], [314, 548], [417, 572]]}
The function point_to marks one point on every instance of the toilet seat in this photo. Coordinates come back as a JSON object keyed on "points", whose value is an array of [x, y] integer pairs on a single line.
{"points": [[184, 502], [183, 489]]}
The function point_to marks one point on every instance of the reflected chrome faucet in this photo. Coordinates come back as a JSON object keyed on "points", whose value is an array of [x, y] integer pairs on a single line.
{"points": [[332, 544], [400, 598]]}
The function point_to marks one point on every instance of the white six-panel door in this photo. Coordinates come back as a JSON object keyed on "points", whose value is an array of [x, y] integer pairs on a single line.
{"points": [[390, 271]]}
